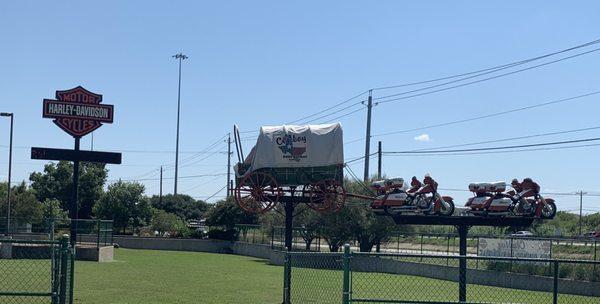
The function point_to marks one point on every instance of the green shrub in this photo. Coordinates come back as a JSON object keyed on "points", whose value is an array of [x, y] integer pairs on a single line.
{"points": [[565, 270], [498, 266]]}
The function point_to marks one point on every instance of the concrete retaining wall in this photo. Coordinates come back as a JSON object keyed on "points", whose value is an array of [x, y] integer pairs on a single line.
{"points": [[212, 246], [91, 253]]}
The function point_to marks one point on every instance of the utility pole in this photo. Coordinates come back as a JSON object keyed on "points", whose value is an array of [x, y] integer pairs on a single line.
{"points": [[160, 191], [228, 164], [368, 137], [92, 143], [10, 148], [180, 57], [379, 160], [581, 193]]}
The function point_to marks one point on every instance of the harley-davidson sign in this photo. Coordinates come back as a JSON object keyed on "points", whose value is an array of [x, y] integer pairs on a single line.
{"points": [[78, 111]]}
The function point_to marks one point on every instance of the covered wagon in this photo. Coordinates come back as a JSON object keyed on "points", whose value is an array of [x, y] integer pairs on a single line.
{"points": [[300, 164]]}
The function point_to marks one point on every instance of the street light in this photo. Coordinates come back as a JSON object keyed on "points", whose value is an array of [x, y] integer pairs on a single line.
{"points": [[180, 57], [11, 115]]}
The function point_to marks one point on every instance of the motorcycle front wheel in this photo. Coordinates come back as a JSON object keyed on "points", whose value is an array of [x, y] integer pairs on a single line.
{"points": [[549, 210], [446, 208]]}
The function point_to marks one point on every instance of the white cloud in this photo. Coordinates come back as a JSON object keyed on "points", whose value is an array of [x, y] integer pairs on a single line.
{"points": [[423, 138]]}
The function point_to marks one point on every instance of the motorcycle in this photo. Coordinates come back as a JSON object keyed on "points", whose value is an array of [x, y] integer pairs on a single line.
{"points": [[492, 199], [393, 199]]}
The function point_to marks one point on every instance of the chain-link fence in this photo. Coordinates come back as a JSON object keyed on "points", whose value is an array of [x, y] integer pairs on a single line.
{"points": [[406, 278], [35, 271]]}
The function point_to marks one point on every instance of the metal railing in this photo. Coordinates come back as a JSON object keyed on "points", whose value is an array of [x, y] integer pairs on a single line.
{"points": [[91, 231], [354, 277], [416, 243], [36, 271]]}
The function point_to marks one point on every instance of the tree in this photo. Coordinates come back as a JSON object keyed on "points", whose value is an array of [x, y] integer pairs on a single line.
{"points": [[52, 210], [125, 203], [56, 182], [309, 223], [335, 228], [25, 208], [165, 222], [368, 229], [183, 205], [226, 213], [592, 221]]}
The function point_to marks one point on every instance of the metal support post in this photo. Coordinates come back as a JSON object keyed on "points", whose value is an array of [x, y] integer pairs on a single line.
{"points": [[462, 276], [346, 283], [289, 217], [555, 287]]}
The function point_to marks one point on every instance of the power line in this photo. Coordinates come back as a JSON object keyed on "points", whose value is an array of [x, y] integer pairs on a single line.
{"points": [[200, 160], [161, 151], [477, 73], [480, 117], [475, 81], [344, 115], [124, 150], [498, 152], [510, 139], [491, 115], [151, 179], [202, 184], [360, 157], [321, 111], [499, 148], [333, 113], [507, 65], [220, 140], [216, 192], [330, 108], [252, 138], [204, 197]]}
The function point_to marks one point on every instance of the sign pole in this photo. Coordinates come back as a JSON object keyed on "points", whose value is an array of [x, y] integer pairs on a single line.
{"points": [[74, 205]]}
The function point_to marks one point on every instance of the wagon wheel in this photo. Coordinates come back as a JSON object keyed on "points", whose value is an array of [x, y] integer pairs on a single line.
{"points": [[257, 193], [326, 195]]}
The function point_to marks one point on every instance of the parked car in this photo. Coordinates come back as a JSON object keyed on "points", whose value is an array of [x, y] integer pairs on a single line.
{"points": [[522, 234], [593, 234]]}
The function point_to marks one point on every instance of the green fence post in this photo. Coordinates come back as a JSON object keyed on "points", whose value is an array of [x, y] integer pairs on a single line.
{"points": [[71, 254], [421, 247], [346, 286], [555, 287], [55, 273], [98, 223], [287, 278], [272, 238], [63, 254]]}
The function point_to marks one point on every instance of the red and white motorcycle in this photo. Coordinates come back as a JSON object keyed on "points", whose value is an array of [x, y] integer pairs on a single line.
{"points": [[491, 199], [393, 199]]}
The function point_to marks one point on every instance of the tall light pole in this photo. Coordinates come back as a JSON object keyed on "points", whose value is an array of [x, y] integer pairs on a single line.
{"points": [[12, 116], [179, 57]]}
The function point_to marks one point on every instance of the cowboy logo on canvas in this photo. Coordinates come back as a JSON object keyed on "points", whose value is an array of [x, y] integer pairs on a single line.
{"points": [[292, 146]]}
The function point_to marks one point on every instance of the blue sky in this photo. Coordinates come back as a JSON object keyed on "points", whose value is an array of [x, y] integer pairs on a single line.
{"points": [[272, 62]]}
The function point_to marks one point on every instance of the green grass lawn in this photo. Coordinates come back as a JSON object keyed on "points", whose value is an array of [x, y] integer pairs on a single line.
{"points": [[152, 276]]}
